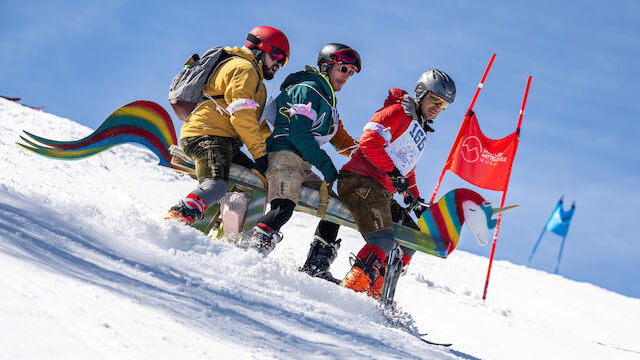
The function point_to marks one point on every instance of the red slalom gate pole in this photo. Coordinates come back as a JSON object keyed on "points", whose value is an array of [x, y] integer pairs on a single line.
{"points": [[473, 102], [493, 246], [524, 103], [504, 194], [481, 84]]}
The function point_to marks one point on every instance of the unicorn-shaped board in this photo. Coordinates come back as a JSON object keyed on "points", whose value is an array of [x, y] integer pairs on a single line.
{"points": [[148, 124]]}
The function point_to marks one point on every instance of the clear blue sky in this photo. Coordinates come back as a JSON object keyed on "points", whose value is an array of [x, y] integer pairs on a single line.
{"points": [[82, 60]]}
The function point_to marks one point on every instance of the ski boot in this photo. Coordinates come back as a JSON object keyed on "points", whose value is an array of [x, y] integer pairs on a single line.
{"points": [[263, 239], [363, 274], [376, 288], [184, 214], [319, 259]]}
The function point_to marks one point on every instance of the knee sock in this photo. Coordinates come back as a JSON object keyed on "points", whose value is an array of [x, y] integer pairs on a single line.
{"points": [[382, 239], [281, 211], [407, 254], [208, 192], [379, 245], [327, 231], [382, 242]]}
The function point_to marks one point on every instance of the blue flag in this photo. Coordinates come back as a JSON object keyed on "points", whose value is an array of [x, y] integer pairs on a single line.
{"points": [[559, 221]]}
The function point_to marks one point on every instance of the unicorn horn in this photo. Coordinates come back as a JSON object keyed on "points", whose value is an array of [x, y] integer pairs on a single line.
{"points": [[503, 209]]}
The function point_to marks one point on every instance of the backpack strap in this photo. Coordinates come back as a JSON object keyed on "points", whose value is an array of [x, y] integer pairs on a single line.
{"points": [[213, 70]]}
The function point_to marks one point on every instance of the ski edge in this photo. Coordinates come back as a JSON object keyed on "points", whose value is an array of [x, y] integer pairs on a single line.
{"points": [[435, 343]]}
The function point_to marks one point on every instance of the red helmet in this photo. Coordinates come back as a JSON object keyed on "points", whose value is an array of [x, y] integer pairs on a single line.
{"points": [[270, 40]]}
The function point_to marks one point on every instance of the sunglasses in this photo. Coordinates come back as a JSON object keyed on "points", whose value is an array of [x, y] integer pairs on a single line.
{"points": [[345, 69], [437, 100]]}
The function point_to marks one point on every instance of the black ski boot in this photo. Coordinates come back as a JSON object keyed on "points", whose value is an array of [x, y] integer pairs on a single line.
{"points": [[263, 240], [319, 259], [183, 214]]}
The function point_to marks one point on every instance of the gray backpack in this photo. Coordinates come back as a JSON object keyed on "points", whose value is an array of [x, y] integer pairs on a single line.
{"points": [[187, 87]]}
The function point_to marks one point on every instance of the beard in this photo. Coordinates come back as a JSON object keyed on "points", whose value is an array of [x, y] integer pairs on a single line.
{"points": [[269, 72]]}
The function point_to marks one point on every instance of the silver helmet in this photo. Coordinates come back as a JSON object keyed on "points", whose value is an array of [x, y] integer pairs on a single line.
{"points": [[438, 82]]}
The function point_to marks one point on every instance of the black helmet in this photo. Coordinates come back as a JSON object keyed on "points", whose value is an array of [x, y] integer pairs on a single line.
{"points": [[438, 82], [334, 53]]}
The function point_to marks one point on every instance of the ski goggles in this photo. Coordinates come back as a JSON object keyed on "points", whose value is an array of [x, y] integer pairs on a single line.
{"points": [[347, 56], [437, 100], [280, 57], [346, 69]]}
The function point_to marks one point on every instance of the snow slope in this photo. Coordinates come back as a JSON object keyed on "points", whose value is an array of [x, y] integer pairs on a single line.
{"points": [[89, 270]]}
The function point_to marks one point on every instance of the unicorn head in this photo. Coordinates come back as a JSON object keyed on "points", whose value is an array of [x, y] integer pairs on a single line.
{"points": [[444, 219]]}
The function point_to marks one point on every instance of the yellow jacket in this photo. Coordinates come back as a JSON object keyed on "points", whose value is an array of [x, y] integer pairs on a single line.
{"points": [[236, 79]]}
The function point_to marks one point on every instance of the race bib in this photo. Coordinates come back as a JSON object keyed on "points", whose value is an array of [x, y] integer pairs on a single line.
{"points": [[406, 149]]}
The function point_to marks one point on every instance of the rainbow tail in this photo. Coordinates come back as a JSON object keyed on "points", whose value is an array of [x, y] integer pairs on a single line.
{"points": [[142, 122]]}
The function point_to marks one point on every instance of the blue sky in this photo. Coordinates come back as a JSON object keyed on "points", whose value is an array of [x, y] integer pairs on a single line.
{"points": [[82, 60]]}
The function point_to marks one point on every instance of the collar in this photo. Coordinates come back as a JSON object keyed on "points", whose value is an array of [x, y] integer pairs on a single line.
{"points": [[315, 71], [412, 110]]}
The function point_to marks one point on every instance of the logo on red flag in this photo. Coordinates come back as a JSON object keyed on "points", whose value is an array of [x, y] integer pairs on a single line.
{"points": [[480, 160], [471, 149]]}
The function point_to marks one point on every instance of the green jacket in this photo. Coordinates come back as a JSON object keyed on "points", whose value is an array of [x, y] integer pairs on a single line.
{"points": [[307, 119]]}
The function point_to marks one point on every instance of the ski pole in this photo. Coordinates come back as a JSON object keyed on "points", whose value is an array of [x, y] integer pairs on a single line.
{"points": [[391, 275]]}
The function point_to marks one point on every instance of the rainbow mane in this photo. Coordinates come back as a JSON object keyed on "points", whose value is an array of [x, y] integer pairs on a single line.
{"points": [[142, 122], [443, 220]]}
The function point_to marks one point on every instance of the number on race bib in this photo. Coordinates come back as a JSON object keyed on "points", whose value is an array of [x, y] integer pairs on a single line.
{"points": [[418, 136]]}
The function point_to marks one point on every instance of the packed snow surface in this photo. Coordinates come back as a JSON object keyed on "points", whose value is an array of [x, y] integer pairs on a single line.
{"points": [[89, 270]]}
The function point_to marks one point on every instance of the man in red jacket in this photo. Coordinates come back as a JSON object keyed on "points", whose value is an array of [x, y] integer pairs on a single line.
{"points": [[390, 147]]}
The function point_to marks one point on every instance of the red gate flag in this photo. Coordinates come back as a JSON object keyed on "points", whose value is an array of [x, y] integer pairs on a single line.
{"points": [[482, 161]]}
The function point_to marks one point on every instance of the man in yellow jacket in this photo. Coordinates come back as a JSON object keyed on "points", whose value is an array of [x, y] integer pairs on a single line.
{"points": [[227, 118]]}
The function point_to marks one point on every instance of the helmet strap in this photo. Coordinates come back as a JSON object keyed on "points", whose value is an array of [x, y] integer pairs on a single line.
{"points": [[417, 102], [259, 54]]}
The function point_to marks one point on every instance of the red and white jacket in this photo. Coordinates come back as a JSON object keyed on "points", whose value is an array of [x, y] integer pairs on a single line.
{"points": [[372, 159]]}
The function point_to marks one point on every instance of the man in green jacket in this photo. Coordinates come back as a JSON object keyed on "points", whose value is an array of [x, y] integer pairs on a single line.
{"points": [[306, 119]]}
